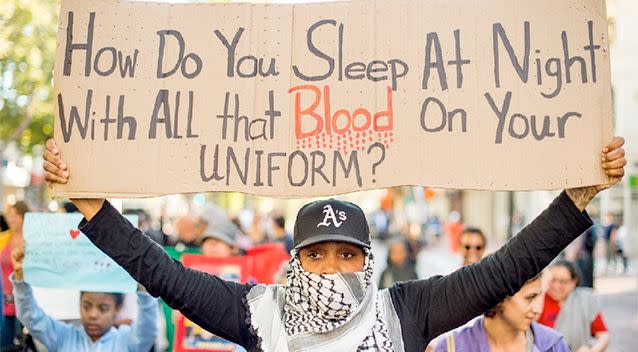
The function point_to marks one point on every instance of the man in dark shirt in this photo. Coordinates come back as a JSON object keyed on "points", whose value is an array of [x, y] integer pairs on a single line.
{"points": [[333, 247]]}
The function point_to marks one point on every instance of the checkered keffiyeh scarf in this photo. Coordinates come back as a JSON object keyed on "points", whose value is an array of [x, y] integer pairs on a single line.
{"points": [[326, 312]]}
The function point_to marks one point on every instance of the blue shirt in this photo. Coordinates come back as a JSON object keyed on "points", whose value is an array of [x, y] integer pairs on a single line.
{"points": [[59, 336]]}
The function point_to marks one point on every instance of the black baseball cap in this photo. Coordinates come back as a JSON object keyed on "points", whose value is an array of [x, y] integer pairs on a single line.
{"points": [[331, 220]]}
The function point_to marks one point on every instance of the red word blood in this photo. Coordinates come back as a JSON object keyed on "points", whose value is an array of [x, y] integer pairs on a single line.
{"points": [[323, 120]]}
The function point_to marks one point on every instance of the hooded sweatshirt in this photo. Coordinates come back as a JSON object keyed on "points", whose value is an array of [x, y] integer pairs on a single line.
{"points": [[420, 309], [474, 339], [57, 336]]}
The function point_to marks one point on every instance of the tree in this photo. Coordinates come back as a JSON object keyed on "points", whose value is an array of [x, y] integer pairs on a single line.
{"points": [[27, 54]]}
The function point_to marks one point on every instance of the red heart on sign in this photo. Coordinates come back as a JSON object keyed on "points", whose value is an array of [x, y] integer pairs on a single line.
{"points": [[74, 233]]}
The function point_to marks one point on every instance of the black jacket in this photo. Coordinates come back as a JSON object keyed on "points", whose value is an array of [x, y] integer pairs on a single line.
{"points": [[426, 308]]}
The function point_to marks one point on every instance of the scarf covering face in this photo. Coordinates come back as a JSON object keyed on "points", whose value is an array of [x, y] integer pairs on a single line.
{"points": [[328, 312]]}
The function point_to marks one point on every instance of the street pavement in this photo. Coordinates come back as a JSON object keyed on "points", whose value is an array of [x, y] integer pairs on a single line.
{"points": [[619, 301]]}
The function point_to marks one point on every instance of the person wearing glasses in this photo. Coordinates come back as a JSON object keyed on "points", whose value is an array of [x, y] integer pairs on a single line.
{"points": [[472, 247], [329, 301], [473, 244], [574, 311]]}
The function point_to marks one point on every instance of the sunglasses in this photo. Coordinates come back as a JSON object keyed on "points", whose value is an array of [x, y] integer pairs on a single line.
{"points": [[478, 248]]}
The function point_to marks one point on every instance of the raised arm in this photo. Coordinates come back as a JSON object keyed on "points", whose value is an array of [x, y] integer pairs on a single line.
{"points": [[212, 303], [446, 302], [144, 329], [44, 328], [443, 303]]}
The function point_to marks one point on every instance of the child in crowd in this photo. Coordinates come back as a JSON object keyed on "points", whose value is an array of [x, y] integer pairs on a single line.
{"points": [[330, 302], [98, 311]]}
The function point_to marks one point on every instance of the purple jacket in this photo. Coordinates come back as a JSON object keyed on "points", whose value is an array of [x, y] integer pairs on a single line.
{"points": [[474, 339]]}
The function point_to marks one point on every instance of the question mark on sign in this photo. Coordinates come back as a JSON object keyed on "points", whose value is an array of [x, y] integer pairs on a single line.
{"points": [[381, 147]]}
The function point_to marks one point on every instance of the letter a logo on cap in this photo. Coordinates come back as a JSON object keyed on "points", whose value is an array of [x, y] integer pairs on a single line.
{"points": [[329, 215]]}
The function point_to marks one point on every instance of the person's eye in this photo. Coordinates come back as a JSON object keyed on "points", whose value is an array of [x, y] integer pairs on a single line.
{"points": [[348, 255], [313, 255]]}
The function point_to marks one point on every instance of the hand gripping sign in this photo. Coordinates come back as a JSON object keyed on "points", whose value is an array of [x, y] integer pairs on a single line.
{"points": [[326, 98]]}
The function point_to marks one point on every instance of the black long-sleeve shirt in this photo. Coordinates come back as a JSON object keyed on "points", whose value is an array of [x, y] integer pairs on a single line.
{"points": [[426, 308]]}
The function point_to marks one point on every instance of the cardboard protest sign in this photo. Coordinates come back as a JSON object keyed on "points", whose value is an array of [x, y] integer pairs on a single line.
{"points": [[326, 98], [58, 255]]}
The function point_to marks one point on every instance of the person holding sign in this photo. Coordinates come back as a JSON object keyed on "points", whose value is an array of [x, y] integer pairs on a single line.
{"points": [[329, 302], [98, 311]]}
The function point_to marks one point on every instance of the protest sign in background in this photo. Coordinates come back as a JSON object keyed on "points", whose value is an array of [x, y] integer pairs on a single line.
{"points": [[58, 303], [267, 260], [189, 337], [260, 265], [58, 255], [176, 254], [327, 98]]}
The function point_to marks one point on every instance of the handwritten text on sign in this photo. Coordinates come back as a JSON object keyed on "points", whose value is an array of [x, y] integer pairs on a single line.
{"points": [[317, 99]]}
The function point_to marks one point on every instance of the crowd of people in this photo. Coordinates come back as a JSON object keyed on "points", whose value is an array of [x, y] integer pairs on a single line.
{"points": [[108, 316], [325, 298]]}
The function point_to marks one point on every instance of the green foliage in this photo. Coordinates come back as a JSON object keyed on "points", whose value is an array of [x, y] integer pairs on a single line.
{"points": [[27, 54]]}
